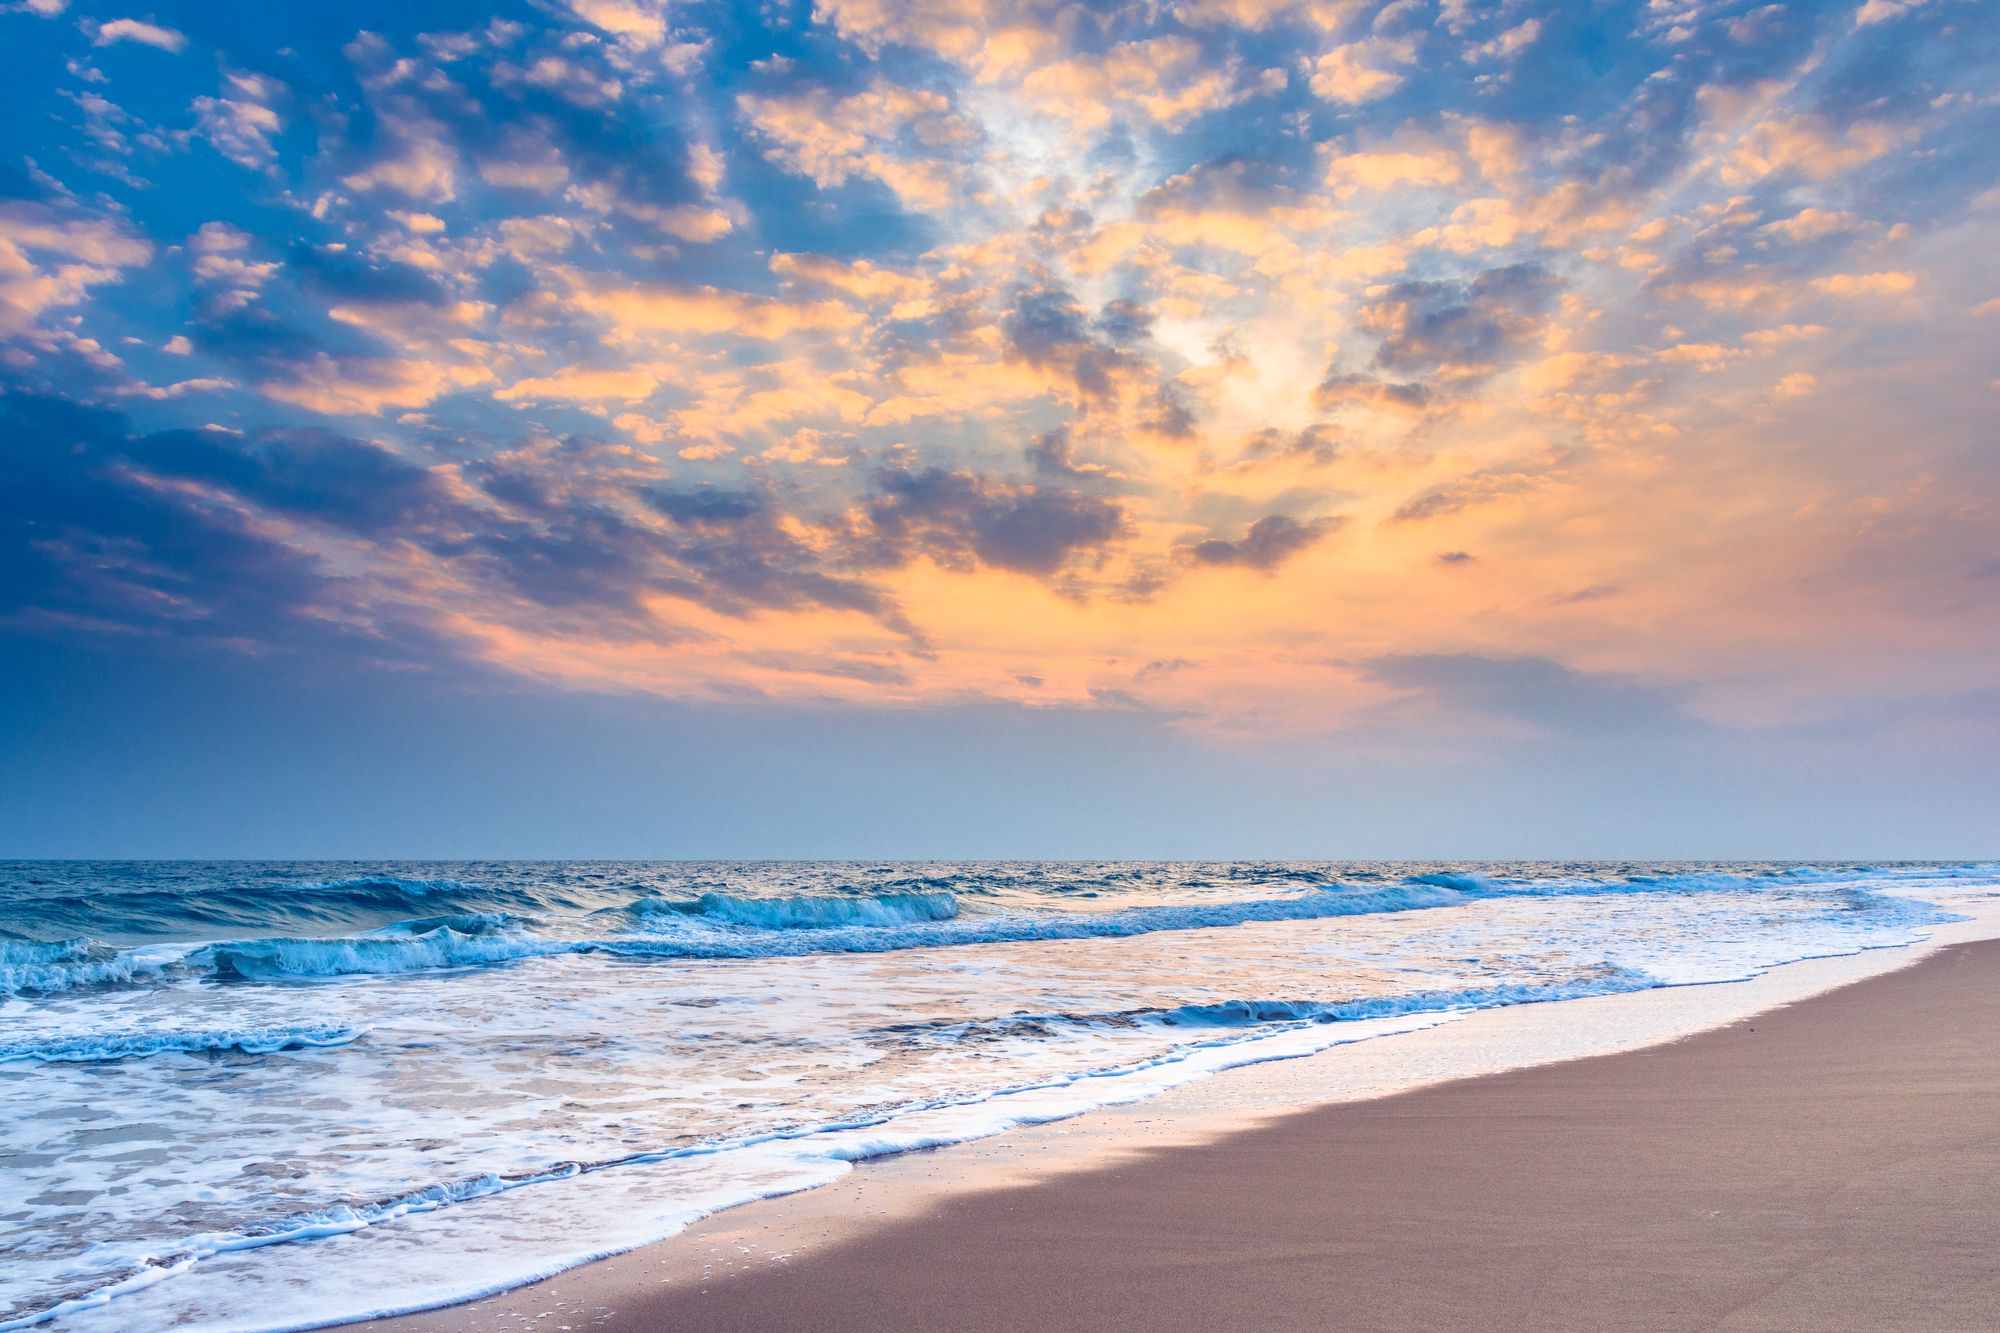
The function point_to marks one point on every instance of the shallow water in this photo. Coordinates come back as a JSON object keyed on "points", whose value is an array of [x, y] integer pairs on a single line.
{"points": [[256, 1095]]}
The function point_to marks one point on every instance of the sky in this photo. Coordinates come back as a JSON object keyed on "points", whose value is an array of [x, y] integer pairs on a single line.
{"points": [[1169, 428]]}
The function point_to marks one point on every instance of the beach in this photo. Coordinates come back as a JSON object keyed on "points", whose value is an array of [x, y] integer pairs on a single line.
{"points": [[315, 1094], [1830, 1164]]}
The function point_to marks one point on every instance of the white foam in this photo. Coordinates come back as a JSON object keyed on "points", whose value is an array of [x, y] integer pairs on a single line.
{"points": [[443, 947], [819, 912], [94, 1047]]}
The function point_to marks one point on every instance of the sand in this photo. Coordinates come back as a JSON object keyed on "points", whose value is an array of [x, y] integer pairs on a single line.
{"points": [[1834, 1164]]}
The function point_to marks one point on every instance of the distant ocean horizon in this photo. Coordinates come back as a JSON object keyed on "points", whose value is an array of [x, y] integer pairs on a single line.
{"points": [[264, 1094]]}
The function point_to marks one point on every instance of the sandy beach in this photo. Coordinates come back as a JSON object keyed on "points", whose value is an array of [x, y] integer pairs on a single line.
{"points": [[1828, 1165]]}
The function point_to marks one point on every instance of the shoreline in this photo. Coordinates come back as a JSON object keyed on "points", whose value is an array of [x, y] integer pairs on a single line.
{"points": [[774, 1240]]}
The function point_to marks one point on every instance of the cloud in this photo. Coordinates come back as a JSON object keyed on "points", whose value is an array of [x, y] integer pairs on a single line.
{"points": [[366, 385], [1544, 695], [1866, 284], [1811, 224], [634, 310], [1810, 146], [959, 518], [349, 276], [51, 258], [1317, 444], [179, 389], [211, 535], [1346, 388], [844, 668], [739, 551], [1459, 330], [643, 24], [906, 295], [1481, 486], [146, 34], [311, 475], [1881, 11], [1357, 72], [241, 131], [909, 139], [1427, 167], [411, 150], [1165, 81], [625, 383], [1052, 454], [1510, 44], [1595, 592], [123, 534], [750, 355], [1047, 329], [1270, 542]]}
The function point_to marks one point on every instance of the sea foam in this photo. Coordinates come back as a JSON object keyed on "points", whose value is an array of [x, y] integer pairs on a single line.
{"points": [[303, 959], [808, 913], [94, 1047]]}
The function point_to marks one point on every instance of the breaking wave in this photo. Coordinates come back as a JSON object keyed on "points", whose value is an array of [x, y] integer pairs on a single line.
{"points": [[127, 1045], [1266, 1014], [1607, 980], [726, 926], [674, 935], [808, 913], [300, 959], [31, 966]]}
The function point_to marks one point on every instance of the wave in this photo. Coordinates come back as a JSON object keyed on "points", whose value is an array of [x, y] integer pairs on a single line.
{"points": [[1610, 979], [36, 967], [713, 926], [386, 884], [808, 913], [419, 946], [462, 923], [357, 901], [285, 959], [1457, 882], [126, 1045], [1476, 885], [721, 926], [167, 902], [1230, 1015], [675, 936]]}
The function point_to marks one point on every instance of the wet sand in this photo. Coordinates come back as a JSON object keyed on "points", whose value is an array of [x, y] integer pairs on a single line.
{"points": [[1830, 1165]]}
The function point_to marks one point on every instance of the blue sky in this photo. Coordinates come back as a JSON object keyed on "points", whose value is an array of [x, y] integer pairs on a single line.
{"points": [[1224, 427]]}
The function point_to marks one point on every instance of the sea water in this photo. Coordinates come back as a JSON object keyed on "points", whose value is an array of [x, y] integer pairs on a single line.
{"points": [[279, 1095]]}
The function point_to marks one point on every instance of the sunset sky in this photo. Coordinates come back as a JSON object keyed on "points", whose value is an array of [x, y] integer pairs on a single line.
{"points": [[1217, 427]]}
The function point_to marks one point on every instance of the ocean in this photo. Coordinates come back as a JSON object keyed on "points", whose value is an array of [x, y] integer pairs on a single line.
{"points": [[265, 1095]]}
